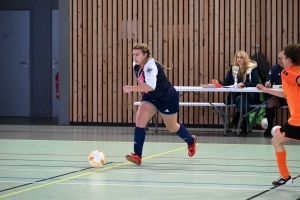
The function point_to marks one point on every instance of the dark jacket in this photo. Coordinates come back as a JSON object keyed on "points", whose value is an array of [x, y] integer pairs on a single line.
{"points": [[253, 75], [275, 75], [263, 65]]}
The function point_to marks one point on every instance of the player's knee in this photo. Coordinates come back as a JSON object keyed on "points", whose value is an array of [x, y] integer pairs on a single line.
{"points": [[141, 120], [173, 128], [273, 141], [270, 104]]}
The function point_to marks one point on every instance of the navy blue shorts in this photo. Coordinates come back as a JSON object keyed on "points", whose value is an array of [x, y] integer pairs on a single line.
{"points": [[167, 107]]}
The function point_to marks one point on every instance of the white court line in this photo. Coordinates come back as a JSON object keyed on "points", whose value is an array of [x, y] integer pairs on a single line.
{"points": [[170, 186], [158, 186], [73, 131], [191, 174], [21, 182], [165, 186], [54, 170], [180, 174]]}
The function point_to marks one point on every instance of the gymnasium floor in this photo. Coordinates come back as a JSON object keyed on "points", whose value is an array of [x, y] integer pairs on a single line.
{"points": [[50, 162]]}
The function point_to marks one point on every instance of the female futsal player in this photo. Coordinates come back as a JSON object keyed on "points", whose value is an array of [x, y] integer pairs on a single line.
{"points": [[158, 94], [290, 76]]}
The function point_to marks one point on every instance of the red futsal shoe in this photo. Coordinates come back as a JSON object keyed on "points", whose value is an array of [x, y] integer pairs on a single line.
{"points": [[134, 158], [192, 148]]}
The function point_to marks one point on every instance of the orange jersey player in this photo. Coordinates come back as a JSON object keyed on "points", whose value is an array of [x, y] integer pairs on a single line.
{"points": [[291, 91], [290, 78]]}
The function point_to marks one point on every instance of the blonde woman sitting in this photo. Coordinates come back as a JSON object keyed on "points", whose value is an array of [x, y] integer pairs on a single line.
{"points": [[247, 77]]}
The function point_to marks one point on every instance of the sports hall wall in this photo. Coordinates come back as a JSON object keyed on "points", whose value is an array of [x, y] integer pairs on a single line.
{"points": [[197, 38]]}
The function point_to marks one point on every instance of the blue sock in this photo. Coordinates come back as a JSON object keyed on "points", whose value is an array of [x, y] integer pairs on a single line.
{"points": [[184, 134], [139, 139]]}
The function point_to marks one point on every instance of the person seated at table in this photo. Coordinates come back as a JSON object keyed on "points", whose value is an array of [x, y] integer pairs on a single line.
{"points": [[247, 77], [274, 77]]}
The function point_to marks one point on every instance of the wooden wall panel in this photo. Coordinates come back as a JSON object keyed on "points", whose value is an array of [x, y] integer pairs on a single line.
{"points": [[268, 44], [119, 65], [217, 50], [99, 66], [109, 73], [196, 52], [176, 65], [84, 85], [185, 58], [134, 41], [190, 57], [169, 48], [90, 63], [129, 61], [196, 38], [95, 62], [205, 66], [80, 65], [114, 63], [278, 25], [252, 25], [179, 76], [124, 59], [220, 71]]}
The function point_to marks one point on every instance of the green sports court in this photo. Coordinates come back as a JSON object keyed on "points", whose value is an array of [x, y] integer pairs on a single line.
{"points": [[51, 162], [63, 68]]}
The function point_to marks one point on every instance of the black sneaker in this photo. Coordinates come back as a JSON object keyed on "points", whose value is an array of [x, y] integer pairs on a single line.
{"points": [[280, 181], [235, 120], [244, 128]]}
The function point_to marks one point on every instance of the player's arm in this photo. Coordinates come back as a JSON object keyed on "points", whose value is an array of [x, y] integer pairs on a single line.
{"points": [[138, 88], [229, 79], [150, 71], [275, 92], [270, 91]]}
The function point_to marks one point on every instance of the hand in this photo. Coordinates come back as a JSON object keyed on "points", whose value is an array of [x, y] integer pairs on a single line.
{"points": [[127, 88], [214, 81], [268, 84], [141, 93], [241, 85], [261, 87]]}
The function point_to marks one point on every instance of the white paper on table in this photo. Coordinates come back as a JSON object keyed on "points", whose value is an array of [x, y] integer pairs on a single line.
{"points": [[228, 86], [207, 85]]}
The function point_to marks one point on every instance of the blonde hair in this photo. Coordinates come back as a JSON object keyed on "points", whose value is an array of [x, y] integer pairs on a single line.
{"points": [[246, 64], [145, 49]]}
